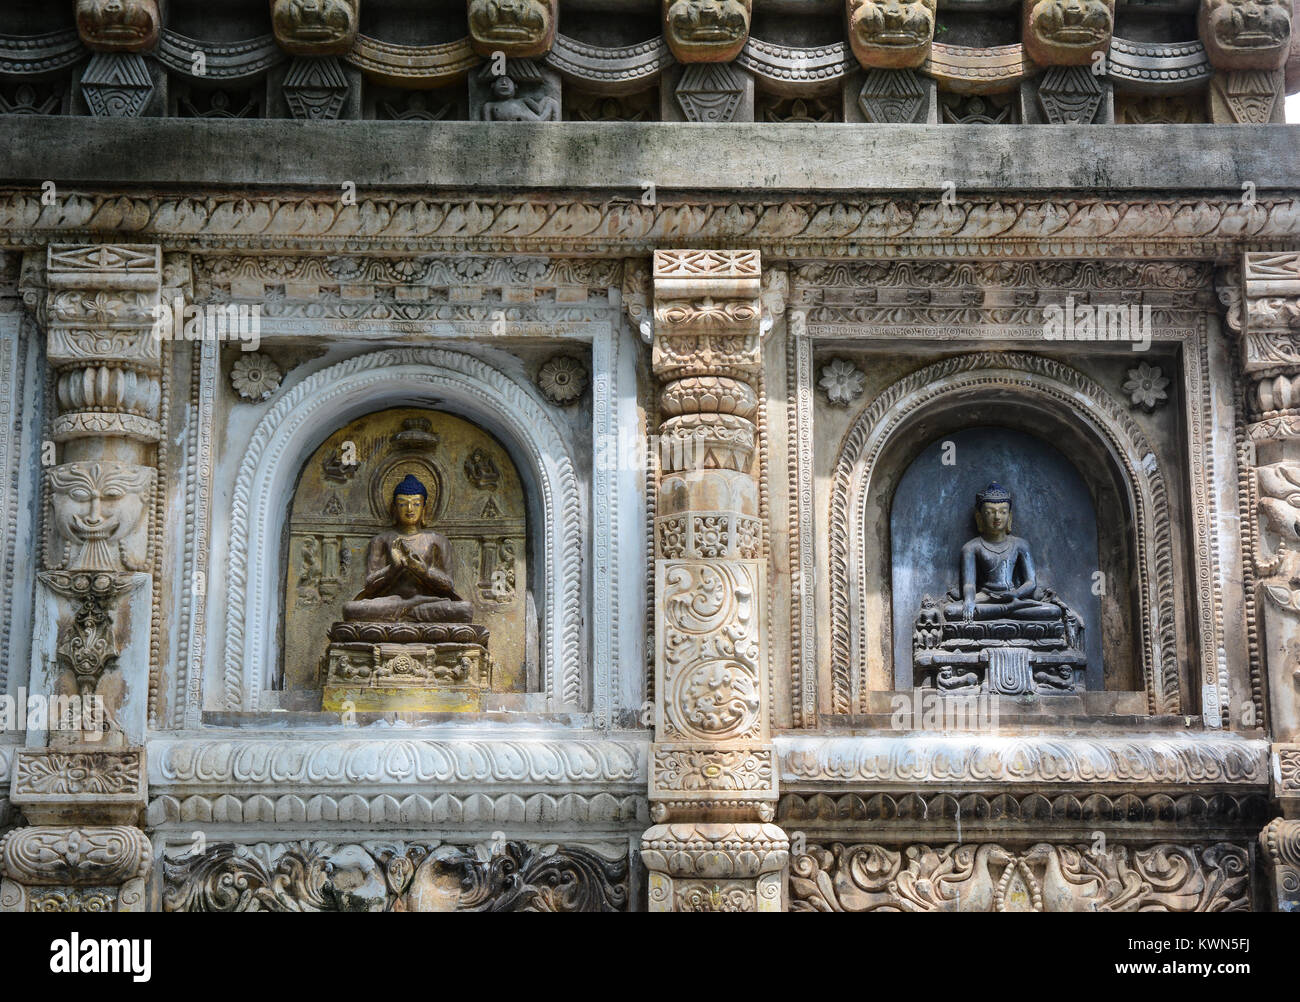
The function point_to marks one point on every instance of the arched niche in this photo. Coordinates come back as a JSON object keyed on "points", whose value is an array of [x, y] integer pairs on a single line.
{"points": [[445, 380], [476, 501], [1026, 393]]}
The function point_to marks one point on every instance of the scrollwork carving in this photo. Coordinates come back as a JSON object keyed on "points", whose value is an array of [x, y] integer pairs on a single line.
{"points": [[708, 625], [396, 876], [989, 877]]}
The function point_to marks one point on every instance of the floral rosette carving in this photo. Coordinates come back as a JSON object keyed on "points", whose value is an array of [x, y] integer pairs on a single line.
{"points": [[61, 855], [562, 380], [255, 377], [699, 769], [77, 773]]}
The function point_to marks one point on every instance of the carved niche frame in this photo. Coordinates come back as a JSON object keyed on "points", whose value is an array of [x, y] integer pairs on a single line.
{"points": [[826, 670], [588, 652]]}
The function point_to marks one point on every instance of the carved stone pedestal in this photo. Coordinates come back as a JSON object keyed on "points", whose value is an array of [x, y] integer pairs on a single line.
{"points": [[98, 865], [715, 867], [1280, 844], [445, 670]]}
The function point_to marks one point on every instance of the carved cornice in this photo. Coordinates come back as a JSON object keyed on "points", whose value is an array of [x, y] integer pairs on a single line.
{"points": [[307, 278], [181, 766], [1138, 762], [612, 70], [995, 69], [899, 809], [1034, 227], [940, 300], [1158, 67], [360, 810], [797, 72], [37, 55], [416, 66], [221, 61]]}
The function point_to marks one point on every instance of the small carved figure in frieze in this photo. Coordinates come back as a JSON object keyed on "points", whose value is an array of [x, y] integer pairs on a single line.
{"points": [[481, 471], [406, 572], [891, 34], [1245, 34], [507, 106], [706, 31], [1001, 629]]}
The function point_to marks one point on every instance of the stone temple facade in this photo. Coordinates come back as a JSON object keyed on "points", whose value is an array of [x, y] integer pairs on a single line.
{"points": [[671, 455]]}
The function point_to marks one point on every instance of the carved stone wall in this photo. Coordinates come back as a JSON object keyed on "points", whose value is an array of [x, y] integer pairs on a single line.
{"points": [[1053, 63], [707, 331]]}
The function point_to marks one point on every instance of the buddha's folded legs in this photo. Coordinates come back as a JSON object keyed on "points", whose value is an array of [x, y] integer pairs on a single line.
{"points": [[442, 610], [419, 609], [1026, 609]]}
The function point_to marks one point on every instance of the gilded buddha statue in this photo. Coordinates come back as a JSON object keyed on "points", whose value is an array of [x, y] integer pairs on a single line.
{"points": [[406, 568]]}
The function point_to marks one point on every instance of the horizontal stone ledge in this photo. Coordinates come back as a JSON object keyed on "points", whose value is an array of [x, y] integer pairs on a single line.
{"points": [[374, 765], [749, 157], [400, 809], [1145, 761]]}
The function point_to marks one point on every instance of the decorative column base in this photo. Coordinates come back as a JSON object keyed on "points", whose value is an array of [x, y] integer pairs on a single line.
{"points": [[75, 868], [100, 864], [698, 866], [1280, 843]]}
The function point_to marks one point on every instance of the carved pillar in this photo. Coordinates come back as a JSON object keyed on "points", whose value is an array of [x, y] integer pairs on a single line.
{"points": [[1074, 88], [91, 649], [1247, 44], [713, 779], [1262, 297]]}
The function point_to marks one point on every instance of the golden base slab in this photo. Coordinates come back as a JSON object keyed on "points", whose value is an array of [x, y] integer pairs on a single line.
{"points": [[429, 699], [380, 677]]}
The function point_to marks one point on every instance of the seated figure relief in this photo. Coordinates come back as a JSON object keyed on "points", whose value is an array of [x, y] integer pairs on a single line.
{"points": [[405, 641], [507, 105], [706, 31], [891, 34], [1068, 32], [1245, 34], [515, 27], [406, 573], [1000, 629]]}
